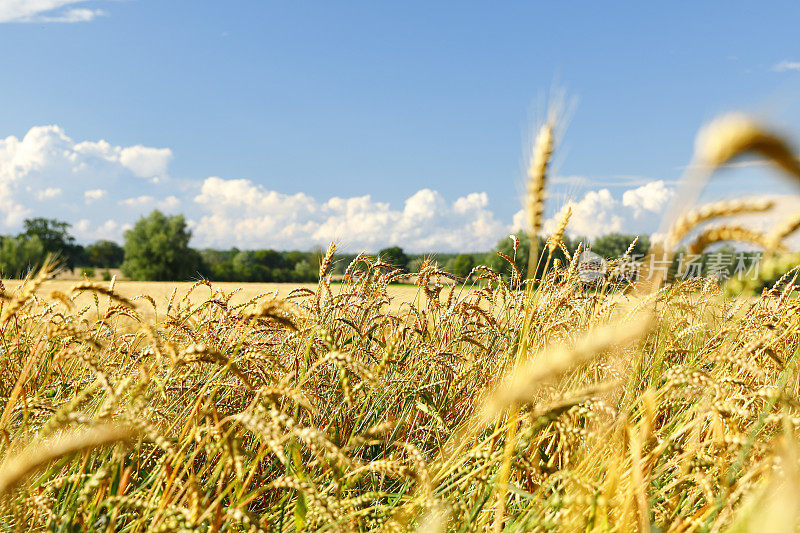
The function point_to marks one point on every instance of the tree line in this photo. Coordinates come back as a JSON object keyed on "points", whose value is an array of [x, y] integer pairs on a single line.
{"points": [[42, 237], [157, 249]]}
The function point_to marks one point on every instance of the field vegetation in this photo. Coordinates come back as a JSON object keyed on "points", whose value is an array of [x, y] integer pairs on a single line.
{"points": [[522, 401]]}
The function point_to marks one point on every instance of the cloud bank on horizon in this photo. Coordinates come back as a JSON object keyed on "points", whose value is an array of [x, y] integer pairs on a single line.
{"points": [[102, 189]]}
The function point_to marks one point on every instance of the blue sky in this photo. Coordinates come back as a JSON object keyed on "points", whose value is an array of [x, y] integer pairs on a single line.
{"points": [[269, 123]]}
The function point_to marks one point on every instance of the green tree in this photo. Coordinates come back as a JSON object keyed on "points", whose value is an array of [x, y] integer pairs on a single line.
{"points": [[20, 254], [243, 265], [520, 257], [271, 259], [414, 265], [394, 256], [304, 271], [614, 245], [105, 254], [463, 265], [55, 238], [157, 249]]}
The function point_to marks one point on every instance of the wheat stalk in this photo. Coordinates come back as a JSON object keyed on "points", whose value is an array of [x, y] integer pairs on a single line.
{"points": [[16, 468], [693, 217], [728, 233], [555, 239], [735, 134]]}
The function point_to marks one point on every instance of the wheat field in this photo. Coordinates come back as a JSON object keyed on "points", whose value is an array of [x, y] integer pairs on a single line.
{"points": [[503, 404], [161, 291]]}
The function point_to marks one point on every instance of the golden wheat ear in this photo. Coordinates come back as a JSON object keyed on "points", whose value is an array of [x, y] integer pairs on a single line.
{"points": [[782, 230], [729, 234], [521, 385], [537, 176], [735, 134], [717, 144], [726, 208], [555, 239]]}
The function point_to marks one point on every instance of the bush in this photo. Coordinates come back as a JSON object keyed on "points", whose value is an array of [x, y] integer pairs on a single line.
{"points": [[106, 254], [19, 255], [463, 265], [394, 256]]}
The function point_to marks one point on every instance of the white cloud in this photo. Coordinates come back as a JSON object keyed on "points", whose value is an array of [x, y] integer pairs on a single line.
{"points": [[39, 11], [595, 214], [85, 230], [93, 195], [48, 193], [786, 65], [142, 161], [169, 203], [69, 16], [82, 225], [599, 212], [146, 162], [102, 189], [49, 148], [138, 201], [11, 212], [238, 212], [45, 173], [652, 198], [520, 221]]}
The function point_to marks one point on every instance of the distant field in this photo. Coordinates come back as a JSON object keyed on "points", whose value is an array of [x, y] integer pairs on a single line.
{"points": [[160, 291]]}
